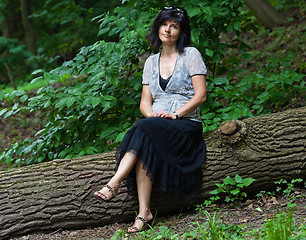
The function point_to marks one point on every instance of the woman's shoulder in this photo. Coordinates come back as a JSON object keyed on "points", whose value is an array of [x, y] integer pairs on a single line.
{"points": [[151, 58], [191, 51]]}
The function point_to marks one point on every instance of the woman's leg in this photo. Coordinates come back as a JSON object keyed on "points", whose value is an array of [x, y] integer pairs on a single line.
{"points": [[144, 189], [126, 165]]}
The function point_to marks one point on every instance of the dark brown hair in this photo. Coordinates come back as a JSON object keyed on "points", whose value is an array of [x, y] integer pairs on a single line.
{"points": [[176, 14]]}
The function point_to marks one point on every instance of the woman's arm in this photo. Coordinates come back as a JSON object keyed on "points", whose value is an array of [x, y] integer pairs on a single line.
{"points": [[146, 102], [199, 86], [146, 105]]}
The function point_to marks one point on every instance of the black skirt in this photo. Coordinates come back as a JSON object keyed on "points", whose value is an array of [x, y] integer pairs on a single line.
{"points": [[172, 152]]}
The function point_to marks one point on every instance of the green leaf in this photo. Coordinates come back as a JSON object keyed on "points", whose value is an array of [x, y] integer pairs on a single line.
{"points": [[4, 110], [238, 179], [94, 101], [70, 102], [243, 194], [208, 116], [194, 11], [229, 181], [207, 10], [15, 106], [2, 94], [120, 137], [248, 181], [263, 97], [256, 106], [90, 150], [8, 159], [51, 117], [24, 98], [103, 30], [222, 80], [109, 48], [215, 192], [235, 191], [58, 135], [50, 155], [108, 98], [40, 159], [48, 103], [237, 26], [8, 114], [37, 71], [16, 93], [209, 52], [61, 103], [195, 37]]}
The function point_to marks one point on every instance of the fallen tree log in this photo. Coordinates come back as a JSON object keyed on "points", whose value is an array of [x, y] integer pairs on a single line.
{"points": [[58, 194]]}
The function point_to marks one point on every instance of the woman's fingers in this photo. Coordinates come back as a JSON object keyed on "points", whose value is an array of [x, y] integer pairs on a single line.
{"points": [[162, 114]]}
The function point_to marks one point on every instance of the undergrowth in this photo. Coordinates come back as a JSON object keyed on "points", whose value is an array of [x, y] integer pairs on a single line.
{"points": [[280, 225], [210, 226]]}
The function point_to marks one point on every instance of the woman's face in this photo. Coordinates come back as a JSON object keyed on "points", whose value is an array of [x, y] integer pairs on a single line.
{"points": [[169, 31]]}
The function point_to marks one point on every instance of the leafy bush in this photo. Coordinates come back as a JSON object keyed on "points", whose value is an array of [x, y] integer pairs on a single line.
{"points": [[93, 111], [92, 100]]}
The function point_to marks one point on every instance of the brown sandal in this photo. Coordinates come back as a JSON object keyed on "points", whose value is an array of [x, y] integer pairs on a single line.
{"points": [[103, 197], [136, 229]]}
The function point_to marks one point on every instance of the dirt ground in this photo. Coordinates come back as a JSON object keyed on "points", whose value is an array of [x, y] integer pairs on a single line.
{"points": [[250, 214]]}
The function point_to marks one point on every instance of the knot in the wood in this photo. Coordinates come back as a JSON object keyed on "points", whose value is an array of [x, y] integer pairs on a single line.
{"points": [[232, 131], [229, 128]]}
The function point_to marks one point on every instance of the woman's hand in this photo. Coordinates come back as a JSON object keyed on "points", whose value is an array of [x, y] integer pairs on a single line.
{"points": [[162, 114]]}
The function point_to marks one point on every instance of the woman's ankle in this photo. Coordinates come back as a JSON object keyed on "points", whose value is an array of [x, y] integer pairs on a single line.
{"points": [[114, 185], [146, 214]]}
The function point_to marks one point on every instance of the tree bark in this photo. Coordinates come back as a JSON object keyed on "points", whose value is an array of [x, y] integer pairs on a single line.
{"points": [[27, 24], [267, 15], [59, 194]]}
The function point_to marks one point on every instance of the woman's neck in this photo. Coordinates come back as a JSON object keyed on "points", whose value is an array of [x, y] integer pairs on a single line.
{"points": [[168, 51]]}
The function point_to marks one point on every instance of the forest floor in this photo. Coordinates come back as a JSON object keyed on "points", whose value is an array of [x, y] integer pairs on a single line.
{"points": [[247, 216]]}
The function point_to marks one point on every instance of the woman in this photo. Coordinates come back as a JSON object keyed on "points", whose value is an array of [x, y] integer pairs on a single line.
{"points": [[166, 149]]}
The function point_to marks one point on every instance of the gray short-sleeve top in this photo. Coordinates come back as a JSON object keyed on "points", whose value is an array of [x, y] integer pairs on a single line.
{"points": [[179, 89]]}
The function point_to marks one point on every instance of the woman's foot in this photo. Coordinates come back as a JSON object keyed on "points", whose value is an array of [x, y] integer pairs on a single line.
{"points": [[139, 223], [106, 193]]}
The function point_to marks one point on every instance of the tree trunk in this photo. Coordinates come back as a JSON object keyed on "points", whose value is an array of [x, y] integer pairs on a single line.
{"points": [[267, 15], [27, 24], [59, 194]]}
